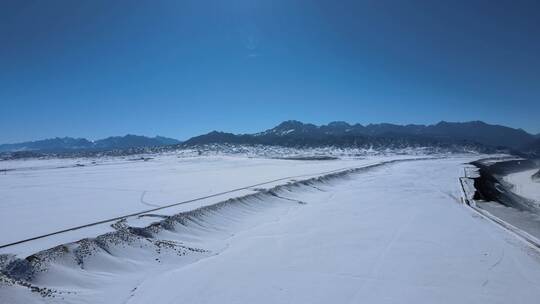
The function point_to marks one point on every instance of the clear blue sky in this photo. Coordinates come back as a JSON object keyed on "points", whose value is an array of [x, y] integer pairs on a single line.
{"points": [[181, 68]]}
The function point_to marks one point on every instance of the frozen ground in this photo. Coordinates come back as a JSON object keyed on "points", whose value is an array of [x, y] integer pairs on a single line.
{"points": [[392, 234], [524, 185]]}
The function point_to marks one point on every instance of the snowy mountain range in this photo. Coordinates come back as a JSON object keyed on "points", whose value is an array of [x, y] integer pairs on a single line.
{"points": [[474, 135], [295, 133]]}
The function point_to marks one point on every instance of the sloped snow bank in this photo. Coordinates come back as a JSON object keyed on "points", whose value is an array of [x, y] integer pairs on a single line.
{"points": [[525, 184]]}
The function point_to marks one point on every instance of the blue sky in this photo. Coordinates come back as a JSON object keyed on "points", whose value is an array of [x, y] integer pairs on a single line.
{"points": [[181, 68]]}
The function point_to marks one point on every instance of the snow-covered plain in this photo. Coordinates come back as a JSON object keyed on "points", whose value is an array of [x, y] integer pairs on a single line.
{"points": [[43, 196], [523, 184], [396, 233]]}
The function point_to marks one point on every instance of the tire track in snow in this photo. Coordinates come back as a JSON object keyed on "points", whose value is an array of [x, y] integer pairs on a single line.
{"points": [[145, 202]]}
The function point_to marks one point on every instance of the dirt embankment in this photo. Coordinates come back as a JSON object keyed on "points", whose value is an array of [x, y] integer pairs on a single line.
{"points": [[536, 176], [490, 185]]}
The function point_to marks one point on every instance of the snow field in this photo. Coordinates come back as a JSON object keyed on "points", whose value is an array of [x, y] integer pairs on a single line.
{"points": [[392, 234]]}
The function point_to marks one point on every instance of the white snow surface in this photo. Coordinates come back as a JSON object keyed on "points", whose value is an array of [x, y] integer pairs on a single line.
{"points": [[524, 185], [392, 234], [38, 197]]}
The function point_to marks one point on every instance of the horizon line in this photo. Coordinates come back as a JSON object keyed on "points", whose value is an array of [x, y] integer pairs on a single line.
{"points": [[288, 120]]}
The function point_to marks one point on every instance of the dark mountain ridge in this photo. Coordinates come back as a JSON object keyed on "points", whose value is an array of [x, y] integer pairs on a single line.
{"points": [[65, 144], [295, 133], [458, 136]]}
